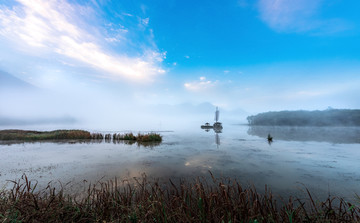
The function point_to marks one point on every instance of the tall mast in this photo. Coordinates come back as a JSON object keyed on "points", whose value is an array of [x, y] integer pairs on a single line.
{"points": [[217, 114]]}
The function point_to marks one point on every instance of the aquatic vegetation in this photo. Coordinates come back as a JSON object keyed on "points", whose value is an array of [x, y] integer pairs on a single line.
{"points": [[75, 134], [45, 135], [149, 137], [107, 138], [127, 136], [196, 200], [97, 136]]}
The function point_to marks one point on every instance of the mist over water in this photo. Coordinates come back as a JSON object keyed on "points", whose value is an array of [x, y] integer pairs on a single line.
{"points": [[47, 110], [44, 110], [286, 166], [321, 158]]}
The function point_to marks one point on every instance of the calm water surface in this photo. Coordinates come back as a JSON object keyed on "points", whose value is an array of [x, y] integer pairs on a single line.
{"points": [[325, 160]]}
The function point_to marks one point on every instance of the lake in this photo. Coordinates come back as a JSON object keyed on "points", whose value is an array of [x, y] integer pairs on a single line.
{"points": [[325, 160]]}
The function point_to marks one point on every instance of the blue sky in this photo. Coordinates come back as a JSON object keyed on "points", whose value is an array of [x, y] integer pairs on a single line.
{"points": [[255, 55]]}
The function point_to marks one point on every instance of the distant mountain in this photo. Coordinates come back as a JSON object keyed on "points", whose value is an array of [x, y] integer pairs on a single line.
{"points": [[202, 112], [183, 108], [8, 81], [329, 117]]}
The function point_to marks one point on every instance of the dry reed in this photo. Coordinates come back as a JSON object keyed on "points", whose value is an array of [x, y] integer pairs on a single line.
{"points": [[43, 135], [222, 200]]}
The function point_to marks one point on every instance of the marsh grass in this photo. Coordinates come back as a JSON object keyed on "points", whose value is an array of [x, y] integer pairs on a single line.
{"points": [[74, 135], [149, 137], [45, 135], [143, 200], [97, 136]]}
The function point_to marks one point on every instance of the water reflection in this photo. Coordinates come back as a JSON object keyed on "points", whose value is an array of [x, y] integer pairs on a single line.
{"points": [[132, 142], [322, 167], [83, 141], [62, 141], [269, 139], [217, 132], [217, 139], [347, 135]]}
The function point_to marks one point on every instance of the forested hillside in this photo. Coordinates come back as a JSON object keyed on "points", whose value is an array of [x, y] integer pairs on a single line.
{"points": [[329, 117]]}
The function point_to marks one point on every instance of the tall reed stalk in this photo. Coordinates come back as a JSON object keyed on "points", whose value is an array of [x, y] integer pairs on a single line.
{"points": [[197, 200]]}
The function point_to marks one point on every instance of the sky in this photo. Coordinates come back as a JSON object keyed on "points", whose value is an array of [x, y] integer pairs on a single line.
{"points": [[109, 57]]}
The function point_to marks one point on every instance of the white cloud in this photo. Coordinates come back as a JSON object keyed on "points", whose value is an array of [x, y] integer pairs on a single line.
{"points": [[310, 93], [298, 16], [187, 57], [52, 26], [200, 85], [287, 14], [145, 21], [112, 39], [127, 14]]}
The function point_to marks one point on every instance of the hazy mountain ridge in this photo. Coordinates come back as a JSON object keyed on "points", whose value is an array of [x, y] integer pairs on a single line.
{"points": [[329, 117]]}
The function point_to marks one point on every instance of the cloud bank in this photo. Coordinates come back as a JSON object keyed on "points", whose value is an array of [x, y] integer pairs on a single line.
{"points": [[54, 27]]}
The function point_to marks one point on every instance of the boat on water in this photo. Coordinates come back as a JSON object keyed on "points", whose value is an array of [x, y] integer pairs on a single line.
{"points": [[207, 126], [217, 126]]}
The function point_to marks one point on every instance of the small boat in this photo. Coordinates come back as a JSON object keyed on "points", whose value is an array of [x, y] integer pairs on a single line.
{"points": [[207, 126], [217, 126]]}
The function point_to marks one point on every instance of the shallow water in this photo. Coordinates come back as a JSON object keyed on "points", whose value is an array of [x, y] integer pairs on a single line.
{"points": [[291, 162]]}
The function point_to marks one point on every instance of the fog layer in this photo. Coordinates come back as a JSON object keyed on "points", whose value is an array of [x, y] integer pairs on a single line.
{"points": [[26, 106]]}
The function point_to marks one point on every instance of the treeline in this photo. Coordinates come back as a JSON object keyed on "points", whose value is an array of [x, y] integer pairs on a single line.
{"points": [[329, 117]]}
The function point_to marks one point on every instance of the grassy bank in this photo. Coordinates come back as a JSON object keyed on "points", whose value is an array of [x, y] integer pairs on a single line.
{"points": [[43, 135], [148, 201], [74, 134]]}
